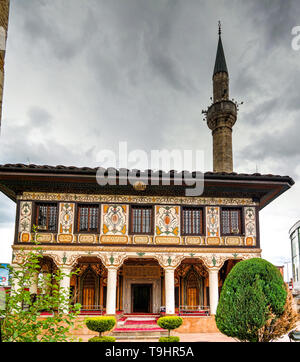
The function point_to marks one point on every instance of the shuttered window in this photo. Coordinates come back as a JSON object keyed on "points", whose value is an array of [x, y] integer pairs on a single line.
{"points": [[141, 219], [88, 218], [46, 217], [231, 221], [192, 221]]}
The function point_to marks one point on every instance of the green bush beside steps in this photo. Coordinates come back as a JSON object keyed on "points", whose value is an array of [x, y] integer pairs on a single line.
{"points": [[100, 325]]}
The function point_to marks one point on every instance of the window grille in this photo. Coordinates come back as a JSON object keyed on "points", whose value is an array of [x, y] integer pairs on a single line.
{"points": [[231, 221], [46, 217], [88, 218], [192, 221], [141, 219]]}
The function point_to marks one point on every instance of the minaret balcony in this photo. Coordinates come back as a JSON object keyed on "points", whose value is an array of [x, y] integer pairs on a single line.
{"points": [[224, 111]]}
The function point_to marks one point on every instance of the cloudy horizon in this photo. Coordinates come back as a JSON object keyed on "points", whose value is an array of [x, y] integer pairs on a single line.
{"points": [[83, 75]]}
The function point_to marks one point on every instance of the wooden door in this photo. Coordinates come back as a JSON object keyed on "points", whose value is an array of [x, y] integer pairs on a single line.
{"points": [[192, 297], [88, 290], [88, 297]]}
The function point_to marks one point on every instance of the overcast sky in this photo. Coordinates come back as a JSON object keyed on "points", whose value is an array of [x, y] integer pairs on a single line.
{"points": [[82, 75]]}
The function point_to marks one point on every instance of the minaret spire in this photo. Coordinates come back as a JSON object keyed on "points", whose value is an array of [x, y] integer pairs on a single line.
{"points": [[220, 63], [221, 115]]}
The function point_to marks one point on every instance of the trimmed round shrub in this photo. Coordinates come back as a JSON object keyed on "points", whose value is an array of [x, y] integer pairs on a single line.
{"points": [[170, 323], [253, 290], [171, 339], [102, 339], [100, 324]]}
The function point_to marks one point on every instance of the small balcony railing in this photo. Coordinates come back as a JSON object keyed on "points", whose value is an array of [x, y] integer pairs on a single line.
{"points": [[197, 310], [92, 309]]}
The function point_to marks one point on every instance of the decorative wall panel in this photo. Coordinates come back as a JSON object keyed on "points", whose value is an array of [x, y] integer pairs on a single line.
{"points": [[193, 240], [113, 239], [25, 216], [114, 219], [66, 218], [25, 221], [250, 226], [167, 220], [141, 239], [232, 240], [213, 221], [66, 222]]}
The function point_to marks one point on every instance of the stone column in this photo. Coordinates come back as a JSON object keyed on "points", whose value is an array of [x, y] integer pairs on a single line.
{"points": [[213, 289], [111, 290], [15, 285], [170, 290], [65, 286], [34, 283]]}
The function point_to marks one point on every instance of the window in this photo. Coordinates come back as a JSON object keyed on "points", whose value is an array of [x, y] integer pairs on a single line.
{"points": [[141, 219], [192, 221], [231, 221], [88, 218], [46, 217]]}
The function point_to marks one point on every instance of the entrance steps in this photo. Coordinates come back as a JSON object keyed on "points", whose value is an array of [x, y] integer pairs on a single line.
{"points": [[138, 326]]}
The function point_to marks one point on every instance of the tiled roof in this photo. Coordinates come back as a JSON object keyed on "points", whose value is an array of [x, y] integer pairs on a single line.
{"points": [[60, 169]]}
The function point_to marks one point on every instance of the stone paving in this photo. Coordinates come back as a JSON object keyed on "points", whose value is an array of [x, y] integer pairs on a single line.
{"points": [[208, 337], [187, 337]]}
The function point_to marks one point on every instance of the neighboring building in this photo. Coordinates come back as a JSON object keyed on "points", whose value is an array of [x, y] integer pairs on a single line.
{"points": [[144, 249], [4, 12], [281, 269], [295, 246], [4, 275]]}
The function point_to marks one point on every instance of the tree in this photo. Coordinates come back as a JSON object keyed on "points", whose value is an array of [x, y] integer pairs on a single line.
{"points": [[253, 295], [276, 327], [100, 325], [169, 323], [22, 322]]}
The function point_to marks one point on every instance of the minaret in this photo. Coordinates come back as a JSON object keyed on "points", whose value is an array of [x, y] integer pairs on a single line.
{"points": [[4, 12], [221, 115]]}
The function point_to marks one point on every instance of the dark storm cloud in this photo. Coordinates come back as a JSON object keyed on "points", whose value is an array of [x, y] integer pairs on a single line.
{"points": [[44, 24], [34, 143], [143, 60], [82, 75]]}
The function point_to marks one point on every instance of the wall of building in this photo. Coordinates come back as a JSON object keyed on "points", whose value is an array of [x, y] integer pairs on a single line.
{"points": [[167, 228], [295, 251]]}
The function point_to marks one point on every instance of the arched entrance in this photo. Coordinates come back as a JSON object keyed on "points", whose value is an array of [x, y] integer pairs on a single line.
{"points": [[88, 285], [191, 287]]}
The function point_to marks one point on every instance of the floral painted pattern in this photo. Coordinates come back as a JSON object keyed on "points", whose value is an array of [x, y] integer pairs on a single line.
{"points": [[114, 219], [25, 216], [213, 221], [167, 221]]}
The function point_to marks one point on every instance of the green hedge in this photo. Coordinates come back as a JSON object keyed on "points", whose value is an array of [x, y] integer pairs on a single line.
{"points": [[100, 324], [252, 288], [169, 339], [102, 339]]}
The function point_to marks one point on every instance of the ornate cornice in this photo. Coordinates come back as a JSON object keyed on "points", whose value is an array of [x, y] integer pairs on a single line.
{"points": [[179, 200]]}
